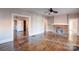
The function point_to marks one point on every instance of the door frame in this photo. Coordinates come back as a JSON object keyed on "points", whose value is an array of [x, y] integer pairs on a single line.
{"points": [[29, 23]]}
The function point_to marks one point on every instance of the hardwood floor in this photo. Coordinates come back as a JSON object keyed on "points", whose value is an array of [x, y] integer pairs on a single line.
{"points": [[46, 42], [7, 46], [40, 42]]}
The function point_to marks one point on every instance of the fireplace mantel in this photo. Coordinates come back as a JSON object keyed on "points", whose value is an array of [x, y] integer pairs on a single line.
{"points": [[60, 24]]}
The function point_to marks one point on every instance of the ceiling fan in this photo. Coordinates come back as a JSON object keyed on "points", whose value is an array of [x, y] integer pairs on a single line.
{"points": [[50, 10]]}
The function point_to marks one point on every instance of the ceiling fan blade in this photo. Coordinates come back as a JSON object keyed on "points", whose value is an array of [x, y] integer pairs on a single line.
{"points": [[50, 11], [55, 11]]}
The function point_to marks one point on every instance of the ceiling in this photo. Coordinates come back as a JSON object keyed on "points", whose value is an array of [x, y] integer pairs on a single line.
{"points": [[61, 11]]}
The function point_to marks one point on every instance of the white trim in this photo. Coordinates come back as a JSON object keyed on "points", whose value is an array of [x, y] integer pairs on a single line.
{"points": [[36, 33], [14, 14], [5, 41]]}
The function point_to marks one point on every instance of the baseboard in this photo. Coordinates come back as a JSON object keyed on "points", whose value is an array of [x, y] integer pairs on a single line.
{"points": [[8, 40], [5, 41], [36, 33]]}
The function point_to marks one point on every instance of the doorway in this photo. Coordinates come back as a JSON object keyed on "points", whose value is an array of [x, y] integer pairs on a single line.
{"points": [[20, 30]]}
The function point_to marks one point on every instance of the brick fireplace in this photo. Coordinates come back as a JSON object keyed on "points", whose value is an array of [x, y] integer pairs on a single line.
{"points": [[61, 29]]}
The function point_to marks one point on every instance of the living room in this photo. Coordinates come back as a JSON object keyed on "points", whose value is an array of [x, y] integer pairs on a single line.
{"points": [[39, 29]]}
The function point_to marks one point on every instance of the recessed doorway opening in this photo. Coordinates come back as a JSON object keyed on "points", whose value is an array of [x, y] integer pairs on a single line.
{"points": [[20, 30]]}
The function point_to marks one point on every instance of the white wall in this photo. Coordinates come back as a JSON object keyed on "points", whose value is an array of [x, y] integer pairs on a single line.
{"points": [[73, 23], [50, 21], [60, 19], [35, 27]]}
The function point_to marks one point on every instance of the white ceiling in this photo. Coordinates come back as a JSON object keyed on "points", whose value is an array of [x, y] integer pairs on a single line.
{"points": [[44, 11]]}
